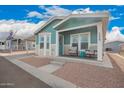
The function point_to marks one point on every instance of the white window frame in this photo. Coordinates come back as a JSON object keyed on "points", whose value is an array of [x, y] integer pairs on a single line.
{"points": [[41, 41], [45, 42], [48, 35], [71, 39], [79, 39]]}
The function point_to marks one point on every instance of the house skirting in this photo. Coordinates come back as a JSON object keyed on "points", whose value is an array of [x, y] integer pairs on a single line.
{"points": [[46, 52]]}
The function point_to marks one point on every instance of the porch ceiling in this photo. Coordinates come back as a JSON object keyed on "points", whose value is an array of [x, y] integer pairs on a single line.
{"points": [[74, 22], [79, 21]]}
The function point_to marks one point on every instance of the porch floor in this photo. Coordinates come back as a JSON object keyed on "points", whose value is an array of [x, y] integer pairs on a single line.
{"points": [[78, 57]]}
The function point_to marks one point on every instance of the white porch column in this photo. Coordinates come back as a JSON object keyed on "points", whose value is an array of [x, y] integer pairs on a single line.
{"points": [[45, 40], [57, 43], [39, 40], [99, 42]]}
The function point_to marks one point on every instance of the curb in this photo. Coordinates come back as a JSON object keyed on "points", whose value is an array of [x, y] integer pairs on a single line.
{"points": [[49, 79]]}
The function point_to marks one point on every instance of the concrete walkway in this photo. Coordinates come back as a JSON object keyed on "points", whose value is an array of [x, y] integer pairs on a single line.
{"points": [[50, 68]]}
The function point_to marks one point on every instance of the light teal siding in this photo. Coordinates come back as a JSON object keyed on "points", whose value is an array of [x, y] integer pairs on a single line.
{"points": [[92, 30], [49, 28], [71, 23], [74, 22]]}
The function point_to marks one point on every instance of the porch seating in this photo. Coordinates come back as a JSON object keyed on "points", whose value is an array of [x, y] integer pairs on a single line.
{"points": [[73, 51], [91, 53]]}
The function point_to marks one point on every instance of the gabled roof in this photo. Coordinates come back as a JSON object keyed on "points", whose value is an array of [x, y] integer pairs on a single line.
{"points": [[48, 22], [97, 15]]}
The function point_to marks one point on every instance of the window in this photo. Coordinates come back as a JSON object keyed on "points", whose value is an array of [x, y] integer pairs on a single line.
{"points": [[48, 39], [41, 42], [2, 43], [33, 45], [81, 41], [75, 41], [84, 41], [37, 39]]}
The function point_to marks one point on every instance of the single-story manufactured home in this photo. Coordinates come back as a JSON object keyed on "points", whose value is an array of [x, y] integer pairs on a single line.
{"points": [[76, 35]]}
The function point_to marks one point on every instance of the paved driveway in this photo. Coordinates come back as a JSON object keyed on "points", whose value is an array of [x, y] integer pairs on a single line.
{"points": [[13, 76]]}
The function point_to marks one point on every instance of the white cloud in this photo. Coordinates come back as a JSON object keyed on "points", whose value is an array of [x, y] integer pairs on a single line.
{"points": [[115, 34], [87, 10], [34, 14], [55, 11], [114, 18], [121, 14], [81, 11], [49, 11], [23, 29], [112, 10], [39, 25]]}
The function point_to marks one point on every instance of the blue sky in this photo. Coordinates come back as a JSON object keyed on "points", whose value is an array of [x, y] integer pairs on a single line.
{"points": [[35, 14], [20, 12]]}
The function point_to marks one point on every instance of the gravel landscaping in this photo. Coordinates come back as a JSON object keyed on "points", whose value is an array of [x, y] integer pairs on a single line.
{"points": [[85, 75], [36, 61]]}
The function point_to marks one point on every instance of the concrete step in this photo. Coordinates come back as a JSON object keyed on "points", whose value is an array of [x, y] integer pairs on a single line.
{"points": [[50, 68], [60, 59], [57, 63]]}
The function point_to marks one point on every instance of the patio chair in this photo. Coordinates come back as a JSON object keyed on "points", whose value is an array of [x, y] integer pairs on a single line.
{"points": [[91, 53], [73, 51]]}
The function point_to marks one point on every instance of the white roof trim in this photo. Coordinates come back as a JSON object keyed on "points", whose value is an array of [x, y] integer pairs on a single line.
{"points": [[100, 14], [49, 21]]}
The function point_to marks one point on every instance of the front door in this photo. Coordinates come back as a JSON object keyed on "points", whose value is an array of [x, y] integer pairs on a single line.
{"points": [[61, 45]]}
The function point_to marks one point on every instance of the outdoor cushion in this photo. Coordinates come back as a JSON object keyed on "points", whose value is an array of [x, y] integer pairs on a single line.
{"points": [[73, 50]]}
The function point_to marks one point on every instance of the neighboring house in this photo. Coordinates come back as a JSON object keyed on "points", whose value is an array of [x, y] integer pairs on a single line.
{"points": [[30, 43], [59, 34], [18, 44], [114, 46]]}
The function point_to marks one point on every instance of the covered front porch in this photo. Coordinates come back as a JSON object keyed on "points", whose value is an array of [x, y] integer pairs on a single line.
{"points": [[86, 32], [85, 42]]}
